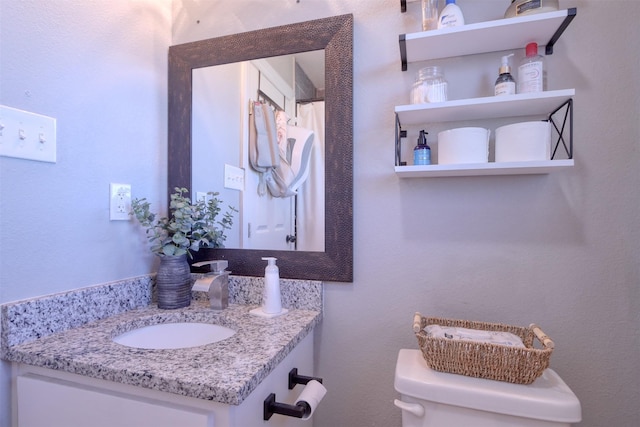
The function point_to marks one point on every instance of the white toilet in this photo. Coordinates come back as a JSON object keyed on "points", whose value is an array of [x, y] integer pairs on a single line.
{"points": [[436, 399]]}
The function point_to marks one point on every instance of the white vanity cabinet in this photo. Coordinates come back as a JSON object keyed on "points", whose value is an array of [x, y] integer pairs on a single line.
{"points": [[51, 398], [499, 35]]}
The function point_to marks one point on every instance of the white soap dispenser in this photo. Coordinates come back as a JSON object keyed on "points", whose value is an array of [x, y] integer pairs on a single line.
{"points": [[271, 298]]}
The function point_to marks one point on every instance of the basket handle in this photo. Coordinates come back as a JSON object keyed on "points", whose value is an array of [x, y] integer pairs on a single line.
{"points": [[418, 322], [542, 337]]}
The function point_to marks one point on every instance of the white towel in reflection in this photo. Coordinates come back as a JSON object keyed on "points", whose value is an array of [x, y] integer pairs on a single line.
{"points": [[299, 148]]}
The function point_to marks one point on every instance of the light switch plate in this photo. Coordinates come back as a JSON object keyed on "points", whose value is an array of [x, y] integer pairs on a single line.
{"points": [[233, 177], [26, 135], [120, 202]]}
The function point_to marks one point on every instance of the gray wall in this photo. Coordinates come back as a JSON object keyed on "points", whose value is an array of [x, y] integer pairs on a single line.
{"points": [[99, 68], [561, 250]]}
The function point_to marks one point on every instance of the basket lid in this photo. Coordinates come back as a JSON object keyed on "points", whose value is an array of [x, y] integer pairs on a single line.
{"points": [[547, 398]]}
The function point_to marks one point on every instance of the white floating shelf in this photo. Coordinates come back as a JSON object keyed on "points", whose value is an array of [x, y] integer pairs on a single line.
{"points": [[483, 37], [490, 107], [479, 169]]}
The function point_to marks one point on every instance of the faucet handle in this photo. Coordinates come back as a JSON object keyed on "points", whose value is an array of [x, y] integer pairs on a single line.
{"points": [[217, 266]]}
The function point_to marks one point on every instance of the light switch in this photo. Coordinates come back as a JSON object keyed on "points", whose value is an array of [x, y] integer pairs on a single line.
{"points": [[26, 135], [233, 177]]}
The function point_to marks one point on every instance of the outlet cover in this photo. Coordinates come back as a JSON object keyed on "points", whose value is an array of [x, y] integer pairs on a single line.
{"points": [[120, 202]]}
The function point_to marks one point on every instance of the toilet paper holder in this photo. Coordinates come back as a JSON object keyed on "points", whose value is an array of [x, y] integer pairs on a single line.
{"points": [[299, 410], [294, 378]]}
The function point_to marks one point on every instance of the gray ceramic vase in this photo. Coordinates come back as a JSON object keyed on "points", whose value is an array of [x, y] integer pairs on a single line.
{"points": [[173, 282]]}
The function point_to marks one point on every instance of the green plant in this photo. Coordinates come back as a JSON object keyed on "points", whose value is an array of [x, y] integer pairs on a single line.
{"points": [[189, 227]]}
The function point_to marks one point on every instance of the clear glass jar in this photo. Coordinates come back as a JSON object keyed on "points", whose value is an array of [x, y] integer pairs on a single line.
{"points": [[430, 86], [429, 15]]}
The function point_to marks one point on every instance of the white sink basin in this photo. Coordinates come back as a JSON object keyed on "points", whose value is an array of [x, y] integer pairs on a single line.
{"points": [[174, 335]]}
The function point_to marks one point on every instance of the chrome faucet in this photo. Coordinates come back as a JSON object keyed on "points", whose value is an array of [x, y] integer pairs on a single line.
{"points": [[215, 283]]}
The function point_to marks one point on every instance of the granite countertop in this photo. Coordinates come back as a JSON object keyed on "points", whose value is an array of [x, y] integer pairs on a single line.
{"points": [[226, 371]]}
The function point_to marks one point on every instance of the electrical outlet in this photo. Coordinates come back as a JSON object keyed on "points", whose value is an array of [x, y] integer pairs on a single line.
{"points": [[120, 202], [201, 195]]}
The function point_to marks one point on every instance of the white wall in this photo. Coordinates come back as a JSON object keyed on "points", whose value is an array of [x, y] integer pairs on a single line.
{"points": [[99, 68], [561, 250]]}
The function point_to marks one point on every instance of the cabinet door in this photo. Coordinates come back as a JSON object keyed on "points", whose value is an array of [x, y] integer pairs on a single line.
{"points": [[57, 403]]}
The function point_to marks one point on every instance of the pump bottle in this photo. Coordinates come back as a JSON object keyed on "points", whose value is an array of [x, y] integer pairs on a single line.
{"points": [[505, 84], [271, 300], [422, 152]]}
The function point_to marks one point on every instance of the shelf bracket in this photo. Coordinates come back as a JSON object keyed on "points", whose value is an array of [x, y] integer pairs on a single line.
{"points": [[399, 135], [561, 127], [403, 51], [571, 13]]}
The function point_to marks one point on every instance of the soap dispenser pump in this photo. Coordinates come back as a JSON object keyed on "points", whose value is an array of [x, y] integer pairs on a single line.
{"points": [[505, 84], [422, 152], [271, 298]]}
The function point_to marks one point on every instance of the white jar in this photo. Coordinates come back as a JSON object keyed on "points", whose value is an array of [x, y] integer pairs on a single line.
{"points": [[529, 7]]}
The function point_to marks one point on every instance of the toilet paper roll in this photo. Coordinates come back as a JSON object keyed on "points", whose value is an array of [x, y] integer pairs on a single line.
{"points": [[463, 145], [311, 396], [521, 142]]}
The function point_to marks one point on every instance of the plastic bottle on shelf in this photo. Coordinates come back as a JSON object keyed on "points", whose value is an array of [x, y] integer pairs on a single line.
{"points": [[531, 72], [451, 15], [505, 84], [422, 152]]}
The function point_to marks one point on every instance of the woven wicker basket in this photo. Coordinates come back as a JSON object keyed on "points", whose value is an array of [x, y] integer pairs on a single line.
{"points": [[481, 360]]}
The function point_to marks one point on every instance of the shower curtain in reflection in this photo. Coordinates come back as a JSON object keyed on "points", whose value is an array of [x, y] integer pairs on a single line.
{"points": [[310, 199]]}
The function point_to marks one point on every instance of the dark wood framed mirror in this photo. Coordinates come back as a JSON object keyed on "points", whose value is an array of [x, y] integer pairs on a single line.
{"points": [[334, 35]]}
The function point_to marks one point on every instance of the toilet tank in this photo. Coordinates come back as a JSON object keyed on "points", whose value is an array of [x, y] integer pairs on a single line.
{"points": [[437, 399]]}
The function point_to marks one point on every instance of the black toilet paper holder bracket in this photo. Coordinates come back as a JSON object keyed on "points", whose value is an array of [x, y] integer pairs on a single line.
{"points": [[294, 378], [299, 410]]}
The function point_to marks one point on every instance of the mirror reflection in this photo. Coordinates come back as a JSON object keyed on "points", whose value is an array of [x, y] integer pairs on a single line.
{"points": [[258, 135], [334, 37]]}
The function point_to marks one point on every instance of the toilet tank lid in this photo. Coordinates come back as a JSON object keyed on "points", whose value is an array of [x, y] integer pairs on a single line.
{"points": [[548, 398]]}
